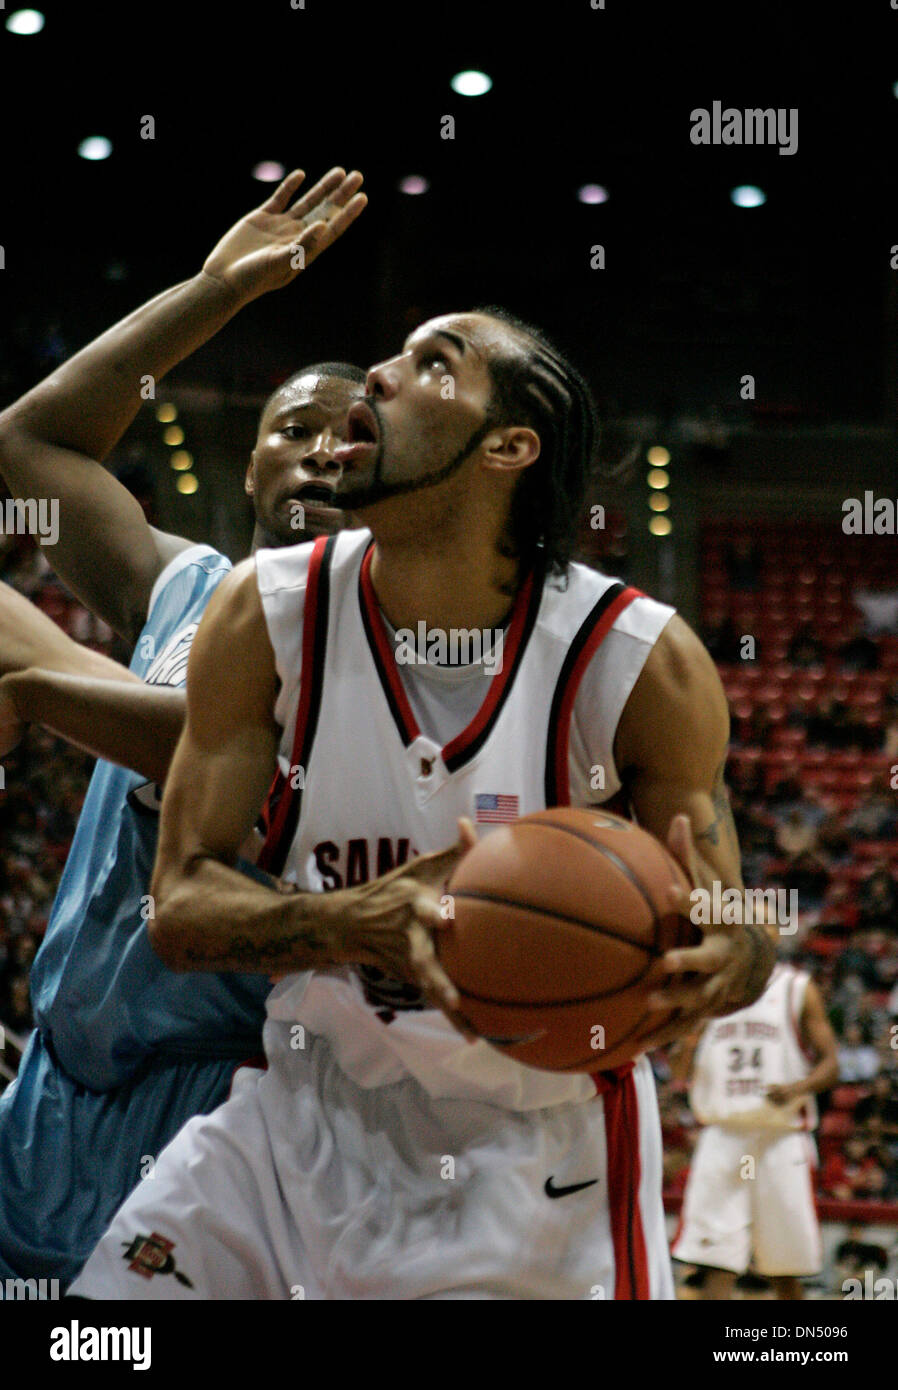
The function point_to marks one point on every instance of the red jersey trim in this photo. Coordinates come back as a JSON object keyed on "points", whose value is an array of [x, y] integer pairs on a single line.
{"points": [[312, 642], [583, 649]]}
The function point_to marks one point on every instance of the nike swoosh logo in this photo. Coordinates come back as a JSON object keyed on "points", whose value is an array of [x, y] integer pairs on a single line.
{"points": [[552, 1191]]}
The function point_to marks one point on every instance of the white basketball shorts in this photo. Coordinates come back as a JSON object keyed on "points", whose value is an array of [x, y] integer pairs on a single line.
{"points": [[750, 1200], [305, 1185]]}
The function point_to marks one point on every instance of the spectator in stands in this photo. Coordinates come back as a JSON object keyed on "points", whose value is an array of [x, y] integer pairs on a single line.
{"points": [[819, 722], [846, 728], [805, 649], [858, 1060], [843, 1175], [833, 837], [860, 652], [880, 609], [19, 1008], [872, 1015], [759, 726], [755, 829], [788, 795], [808, 875], [878, 900], [873, 818], [890, 736], [857, 1253], [876, 1183], [796, 715], [743, 564], [877, 1113], [724, 642], [796, 833], [747, 778]]}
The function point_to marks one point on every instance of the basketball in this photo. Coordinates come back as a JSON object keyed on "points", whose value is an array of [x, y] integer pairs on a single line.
{"points": [[561, 920]]}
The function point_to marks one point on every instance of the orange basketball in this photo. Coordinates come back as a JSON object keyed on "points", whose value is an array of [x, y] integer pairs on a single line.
{"points": [[561, 920]]}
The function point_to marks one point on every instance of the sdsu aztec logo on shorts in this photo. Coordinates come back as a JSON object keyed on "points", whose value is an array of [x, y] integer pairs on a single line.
{"points": [[151, 1255], [387, 996]]}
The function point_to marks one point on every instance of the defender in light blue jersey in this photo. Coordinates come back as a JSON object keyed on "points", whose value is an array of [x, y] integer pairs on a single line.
{"points": [[125, 1050]]}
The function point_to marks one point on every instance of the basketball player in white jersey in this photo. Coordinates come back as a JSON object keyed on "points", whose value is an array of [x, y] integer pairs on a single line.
{"points": [[381, 1155], [750, 1194]]}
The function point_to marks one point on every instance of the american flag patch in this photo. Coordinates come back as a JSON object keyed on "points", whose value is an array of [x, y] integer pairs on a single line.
{"points": [[490, 807]]}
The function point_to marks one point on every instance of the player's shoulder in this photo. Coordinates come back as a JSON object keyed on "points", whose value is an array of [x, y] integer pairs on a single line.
{"points": [[680, 673], [289, 568], [582, 598], [185, 582]]}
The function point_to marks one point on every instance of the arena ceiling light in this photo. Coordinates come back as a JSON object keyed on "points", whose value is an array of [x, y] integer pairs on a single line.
{"points": [[660, 526], [166, 413], [268, 171], [413, 185], [25, 22], [747, 195], [95, 147], [658, 455], [658, 478], [592, 193], [471, 83], [187, 483], [181, 460]]}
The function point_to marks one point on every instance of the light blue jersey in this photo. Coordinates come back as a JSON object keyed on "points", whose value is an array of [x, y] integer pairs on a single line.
{"points": [[125, 1050], [101, 997]]}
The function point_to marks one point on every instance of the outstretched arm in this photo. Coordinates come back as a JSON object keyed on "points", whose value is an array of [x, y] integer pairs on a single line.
{"points": [[671, 749], [209, 916], [117, 717], [53, 439], [47, 678]]}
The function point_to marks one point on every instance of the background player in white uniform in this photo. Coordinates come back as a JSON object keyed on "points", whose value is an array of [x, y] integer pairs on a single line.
{"points": [[750, 1194], [327, 1172]]}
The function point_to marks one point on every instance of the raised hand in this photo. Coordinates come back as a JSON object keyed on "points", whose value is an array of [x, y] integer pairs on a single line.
{"points": [[269, 247]]}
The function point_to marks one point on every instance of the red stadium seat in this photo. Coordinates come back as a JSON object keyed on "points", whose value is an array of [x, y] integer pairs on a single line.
{"points": [[836, 1124]]}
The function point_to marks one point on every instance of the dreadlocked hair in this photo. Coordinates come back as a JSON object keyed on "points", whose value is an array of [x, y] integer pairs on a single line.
{"points": [[534, 384]]}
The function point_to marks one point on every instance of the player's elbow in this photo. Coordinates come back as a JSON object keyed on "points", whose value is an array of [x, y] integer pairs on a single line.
{"points": [[15, 441], [173, 901]]}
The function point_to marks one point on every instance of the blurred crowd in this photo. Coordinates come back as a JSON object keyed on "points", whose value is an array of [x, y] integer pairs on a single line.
{"points": [[812, 778], [44, 781]]}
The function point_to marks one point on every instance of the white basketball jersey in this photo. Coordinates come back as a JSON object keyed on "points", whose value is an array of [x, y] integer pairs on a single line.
{"points": [[741, 1055], [361, 788]]}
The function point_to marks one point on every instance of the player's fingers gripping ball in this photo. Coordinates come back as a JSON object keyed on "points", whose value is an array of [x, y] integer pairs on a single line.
{"points": [[560, 923]]}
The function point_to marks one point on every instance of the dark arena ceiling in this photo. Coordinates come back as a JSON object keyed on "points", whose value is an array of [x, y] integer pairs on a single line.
{"points": [[694, 292]]}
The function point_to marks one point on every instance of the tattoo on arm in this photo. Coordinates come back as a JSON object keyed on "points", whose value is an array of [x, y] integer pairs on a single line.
{"points": [[242, 953], [723, 815], [760, 964]]}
